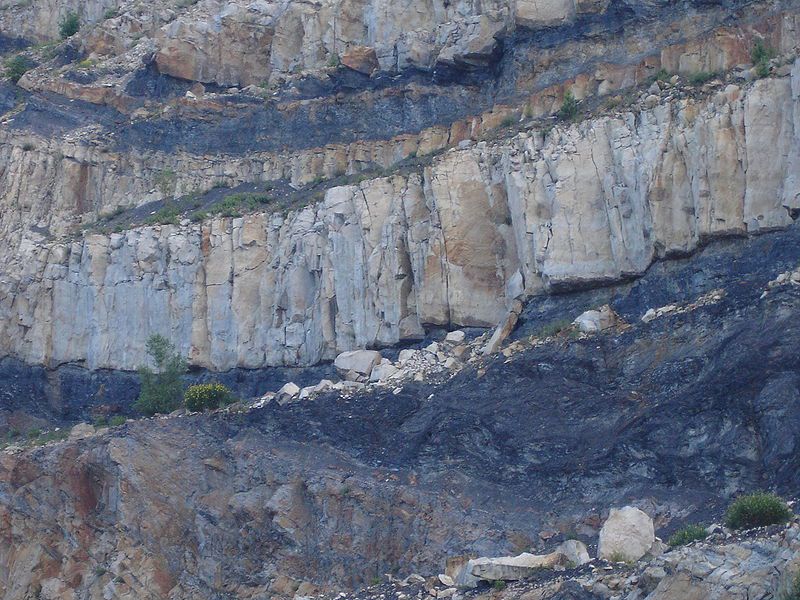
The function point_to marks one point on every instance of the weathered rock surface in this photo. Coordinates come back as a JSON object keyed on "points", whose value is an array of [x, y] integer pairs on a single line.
{"points": [[453, 245]]}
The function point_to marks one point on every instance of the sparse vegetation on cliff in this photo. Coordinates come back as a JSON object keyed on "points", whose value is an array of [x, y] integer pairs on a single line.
{"points": [[757, 510], [17, 66], [702, 77], [761, 54], [207, 396], [161, 387], [569, 108], [687, 534], [69, 26]]}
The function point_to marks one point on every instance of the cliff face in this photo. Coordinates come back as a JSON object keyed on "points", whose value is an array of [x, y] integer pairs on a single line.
{"points": [[468, 214], [450, 244], [268, 184]]}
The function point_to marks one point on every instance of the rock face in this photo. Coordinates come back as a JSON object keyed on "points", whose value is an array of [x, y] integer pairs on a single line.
{"points": [[452, 245], [627, 535], [339, 490]]}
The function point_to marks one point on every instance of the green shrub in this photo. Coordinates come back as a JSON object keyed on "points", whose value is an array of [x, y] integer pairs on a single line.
{"points": [[508, 121], [687, 534], [166, 182], [168, 215], [51, 436], [662, 75], [757, 510], [207, 396], [100, 422], [499, 585], [17, 66], [162, 387], [554, 328], [117, 420], [111, 13], [701, 77], [569, 108], [234, 204], [761, 53], [69, 25]]}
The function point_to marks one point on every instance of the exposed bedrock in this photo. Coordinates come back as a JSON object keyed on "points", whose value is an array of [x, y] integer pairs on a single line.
{"points": [[454, 244], [676, 415], [66, 158]]}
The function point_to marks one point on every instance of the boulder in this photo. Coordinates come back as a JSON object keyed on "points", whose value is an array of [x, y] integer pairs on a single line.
{"points": [[81, 431], [513, 568], [455, 337], [575, 551], [383, 371], [357, 363], [361, 58], [504, 328], [593, 321], [628, 534], [466, 573], [406, 355], [287, 392]]}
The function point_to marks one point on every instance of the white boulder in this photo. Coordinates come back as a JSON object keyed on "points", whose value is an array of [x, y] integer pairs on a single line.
{"points": [[628, 534], [288, 392], [81, 431], [383, 371], [455, 337], [357, 363], [593, 321]]}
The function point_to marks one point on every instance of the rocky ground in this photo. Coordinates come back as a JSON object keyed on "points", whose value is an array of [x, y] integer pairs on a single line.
{"points": [[754, 564]]}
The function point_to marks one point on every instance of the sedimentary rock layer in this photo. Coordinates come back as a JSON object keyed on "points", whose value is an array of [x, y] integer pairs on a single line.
{"points": [[452, 245]]}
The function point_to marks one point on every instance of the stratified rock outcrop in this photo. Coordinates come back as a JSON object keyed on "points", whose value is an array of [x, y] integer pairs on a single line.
{"points": [[453, 244]]}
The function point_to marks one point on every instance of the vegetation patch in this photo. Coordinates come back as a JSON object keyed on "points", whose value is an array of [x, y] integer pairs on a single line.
{"points": [[69, 26], [688, 534], [17, 66], [161, 385], [702, 77], [569, 108], [757, 510], [554, 328], [207, 396], [761, 55]]}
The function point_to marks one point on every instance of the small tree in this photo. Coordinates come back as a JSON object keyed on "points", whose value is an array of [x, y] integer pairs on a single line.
{"points": [[162, 387], [16, 67], [569, 107], [69, 25], [761, 55]]}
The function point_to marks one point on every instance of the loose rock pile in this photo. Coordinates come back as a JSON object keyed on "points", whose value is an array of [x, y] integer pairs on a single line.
{"points": [[759, 563], [361, 369]]}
